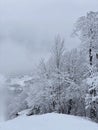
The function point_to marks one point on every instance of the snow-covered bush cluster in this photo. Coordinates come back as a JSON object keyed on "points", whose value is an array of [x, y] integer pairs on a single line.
{"points": [[66, 83]]}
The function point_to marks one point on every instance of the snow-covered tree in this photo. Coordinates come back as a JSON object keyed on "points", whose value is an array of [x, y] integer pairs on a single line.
{"points": [[75, 65], [87, 30], [56, 63]]}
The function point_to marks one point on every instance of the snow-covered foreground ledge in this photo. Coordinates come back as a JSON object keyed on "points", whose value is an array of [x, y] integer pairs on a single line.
{"points": [[49, 122]]}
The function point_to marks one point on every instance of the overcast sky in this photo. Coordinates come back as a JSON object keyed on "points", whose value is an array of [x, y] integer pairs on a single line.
{"points": [[28, 27]]}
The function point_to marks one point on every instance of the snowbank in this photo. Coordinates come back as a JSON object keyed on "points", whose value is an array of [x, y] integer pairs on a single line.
{"points": [[49, 122]]}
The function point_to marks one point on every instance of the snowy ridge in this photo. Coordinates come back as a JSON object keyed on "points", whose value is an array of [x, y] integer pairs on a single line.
{"points": [[51, 121], [20, 81]]}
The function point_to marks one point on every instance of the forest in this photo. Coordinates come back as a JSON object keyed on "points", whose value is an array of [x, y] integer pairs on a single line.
{"points": [[65, 83]]}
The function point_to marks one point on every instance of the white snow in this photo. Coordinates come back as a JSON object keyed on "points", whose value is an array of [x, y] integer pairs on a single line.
{"points": [[24, 112], [20, 81], [51, 121], [92, 80]]}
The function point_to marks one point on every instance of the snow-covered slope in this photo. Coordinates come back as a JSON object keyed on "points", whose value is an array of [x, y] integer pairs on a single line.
{"points": [[49, 122], [20, 80]]}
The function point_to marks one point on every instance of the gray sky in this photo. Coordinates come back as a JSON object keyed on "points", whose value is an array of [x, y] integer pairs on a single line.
{"points": [[28, 27]]}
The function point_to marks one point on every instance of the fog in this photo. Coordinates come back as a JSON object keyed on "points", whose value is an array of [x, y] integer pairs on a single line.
{"points": [[28, 29]]}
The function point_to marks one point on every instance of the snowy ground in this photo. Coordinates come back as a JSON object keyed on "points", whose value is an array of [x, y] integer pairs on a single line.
{"points": [[48, 122]]}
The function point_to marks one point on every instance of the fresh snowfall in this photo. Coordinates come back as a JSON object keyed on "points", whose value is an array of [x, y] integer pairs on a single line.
{"points": [[46, 82], [51, 121]]}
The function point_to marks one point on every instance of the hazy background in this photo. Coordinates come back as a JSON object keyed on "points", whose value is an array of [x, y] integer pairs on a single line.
{"points": [[28, 28]]}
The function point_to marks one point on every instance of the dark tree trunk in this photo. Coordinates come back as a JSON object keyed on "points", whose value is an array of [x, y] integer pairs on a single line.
{"points": [[90, 56]]}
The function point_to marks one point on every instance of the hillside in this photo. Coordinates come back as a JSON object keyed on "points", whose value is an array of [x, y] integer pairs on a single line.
{"points": [[49, 122]]}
